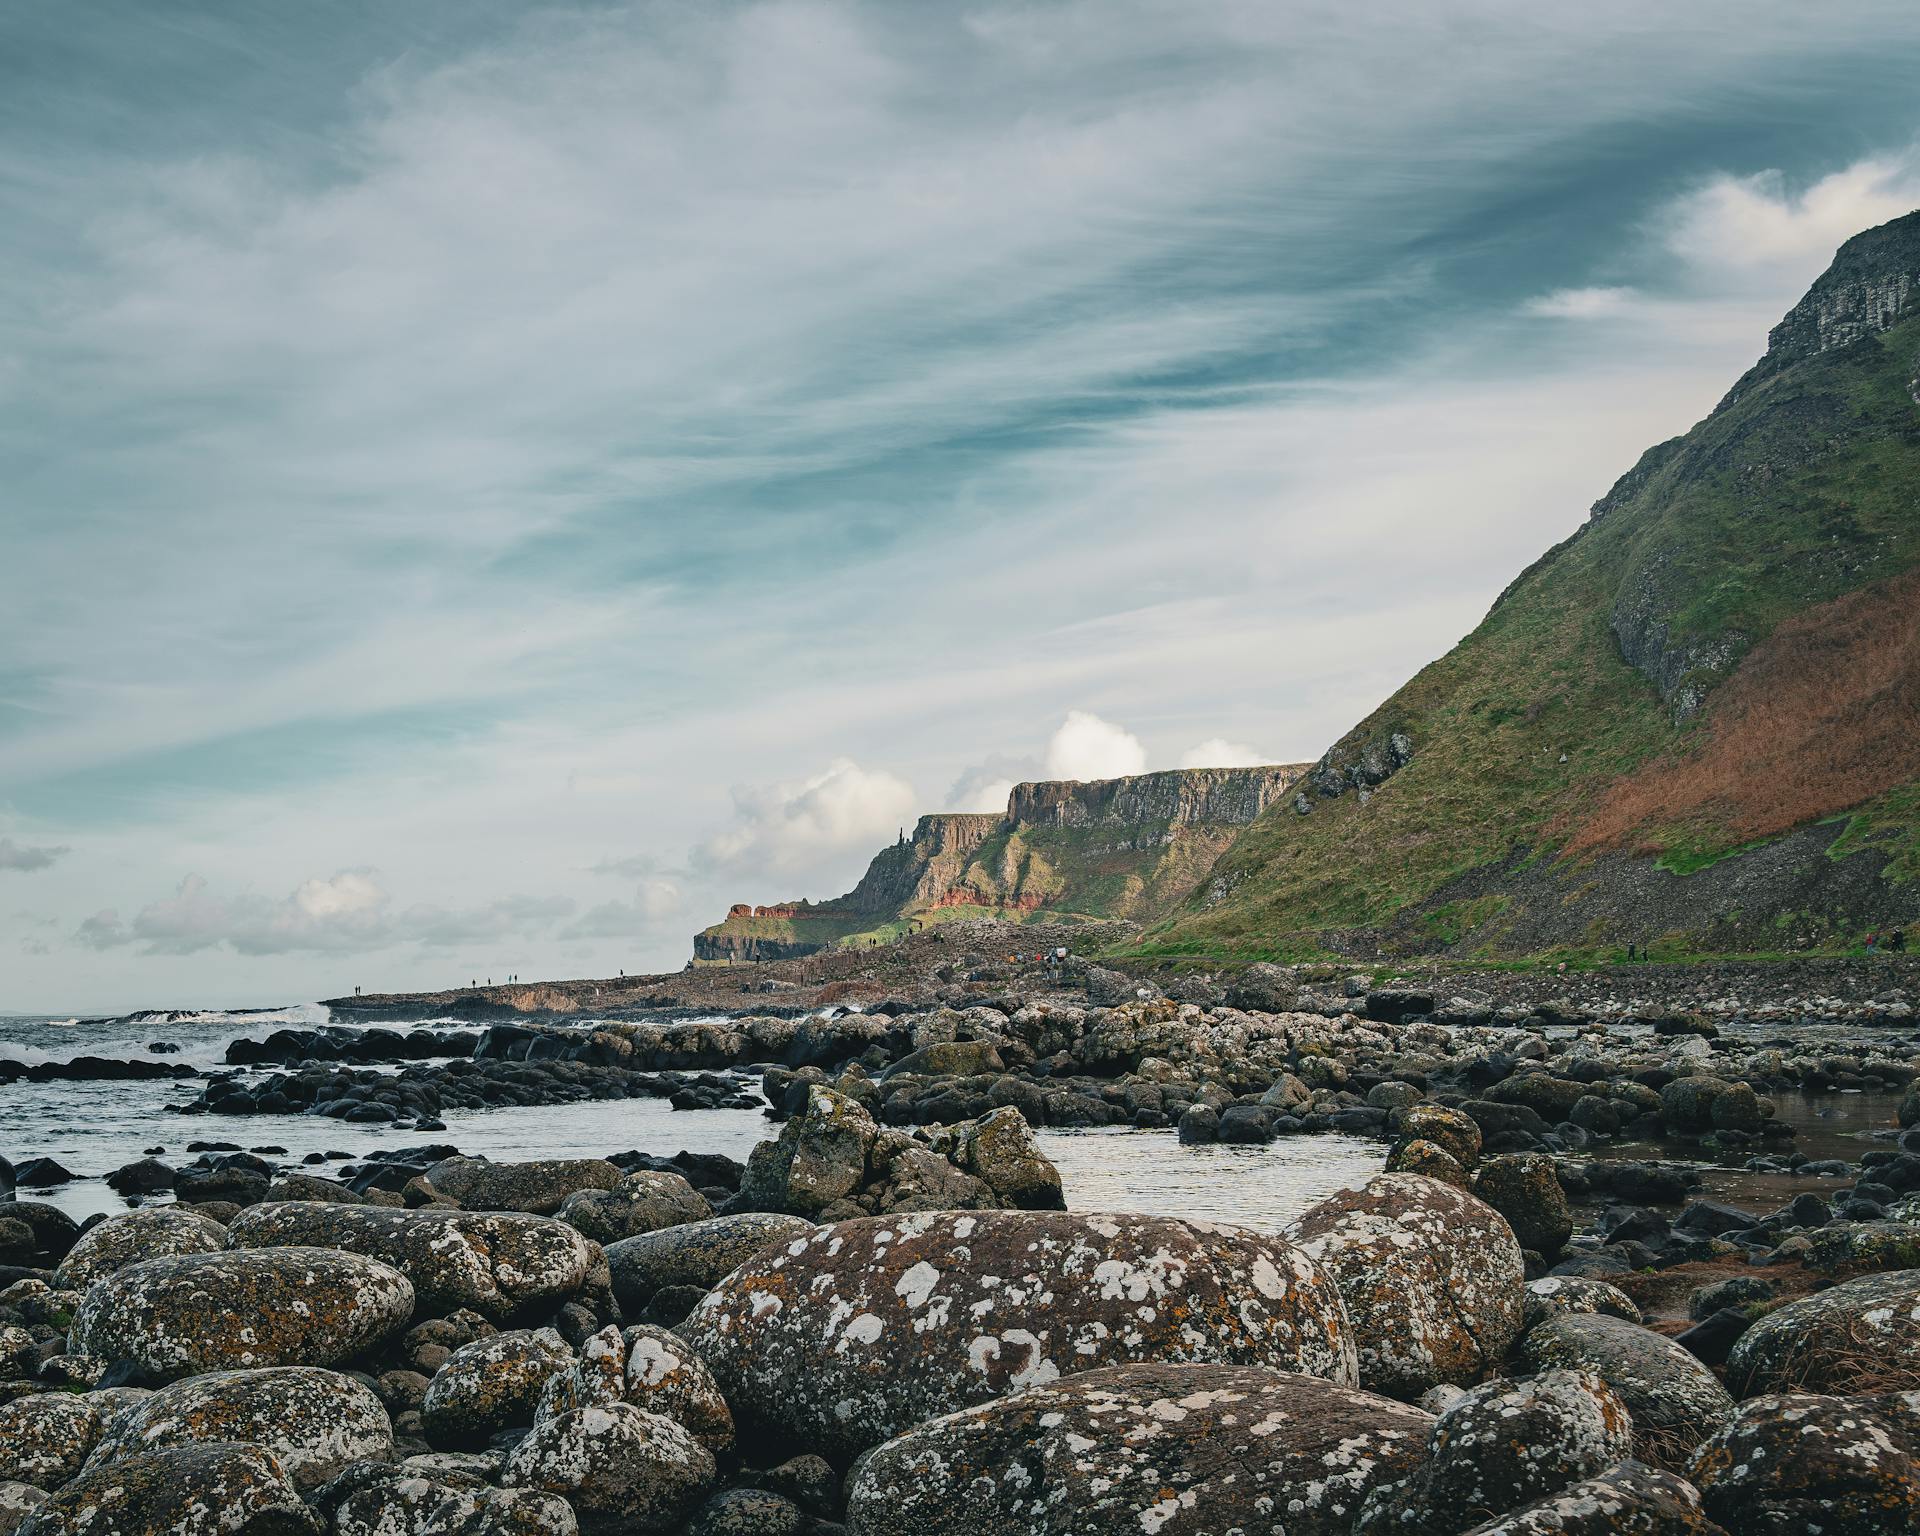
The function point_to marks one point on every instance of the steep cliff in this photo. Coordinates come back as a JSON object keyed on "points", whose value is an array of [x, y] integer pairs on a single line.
{"points": [[1695, 723], [1131, 847]]}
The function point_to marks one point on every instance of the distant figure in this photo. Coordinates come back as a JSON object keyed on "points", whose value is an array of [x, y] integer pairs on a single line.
{"points": [[1873, 940], [1630, 951], [1898, 943]]}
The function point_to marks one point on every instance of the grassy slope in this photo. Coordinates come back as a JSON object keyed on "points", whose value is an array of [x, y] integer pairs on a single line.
{"points": [[1802, 490]]}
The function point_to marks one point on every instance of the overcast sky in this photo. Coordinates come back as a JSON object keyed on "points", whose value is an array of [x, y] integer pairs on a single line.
{"points": [[482, 486]]}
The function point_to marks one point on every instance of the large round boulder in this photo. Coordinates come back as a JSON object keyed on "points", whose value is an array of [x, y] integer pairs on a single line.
{"points": [[696, 1254], [1432, 1277], [539, 1188], [408, 1500], [154, 1233], [45, 1438], [1501, 1446], [663, 1375], [1801, 1462], [1850, 1337], [490, 1384], [200, 1490], [644, 1201], [225, 1311], [1173, 1450], [501, 1264], [1523, 1187], [1628, 1500], [846, 1336], [314, 1422], [625, 1472], [1676, 1402]]}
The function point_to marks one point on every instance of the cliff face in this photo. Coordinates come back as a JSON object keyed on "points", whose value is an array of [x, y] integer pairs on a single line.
{"points": [[1130, 847], [1695, 723]]}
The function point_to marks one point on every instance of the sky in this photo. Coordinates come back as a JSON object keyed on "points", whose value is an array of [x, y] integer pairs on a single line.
{"points": [[484, 486]]}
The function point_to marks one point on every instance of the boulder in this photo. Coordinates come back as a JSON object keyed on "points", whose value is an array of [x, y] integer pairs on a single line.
{"points": [[1454, 1133], [1430, 1161], [1628, 1500], [315, 1423], [819, 1159], [1501, 1446], [1432, 1278], [199, 1490], [501, 1264], [1173, 1450], [748, 1512], [624, 1471], [1861, 1334], [17, 1501], [490, 1384], [1800, 1462], [642, 1202], [848, 1335], [1573, 1295], [999, 1150], [537, 1188], [45, 1439], [696, 1254], [663, 1375], [199, 1312], [122, 1240], [417, 1500], [1523, 1187], [1676, 1402]]}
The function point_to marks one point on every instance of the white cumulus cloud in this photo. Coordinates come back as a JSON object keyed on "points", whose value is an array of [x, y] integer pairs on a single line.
{"points": [[26, 858], [1218, 752], [786, 827], [1087, 747]]}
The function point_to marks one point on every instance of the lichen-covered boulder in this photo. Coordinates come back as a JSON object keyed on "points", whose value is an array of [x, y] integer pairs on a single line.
{"points": [[1000, 1151], [1523, 1187], [1501, 1446], [537, 1188], [118, 1241], [699, 1253], [200, 1312], [45, 1439], [665, 1376], [19, 1352], [1429, 1160], [1571, 1295], [1856, 1335], [1433, 1280], [416, 1500], [850, 1334], [490, 1384], [624, 1471], [818, 1159], [1628, 1500], [1175, 1450], [200, 1490], [642, 1202], [1675, 1401], [748, 1512], [1454, 1132], [1800, 1462], [504, 1265], [314, 1422], [17, 1501]]}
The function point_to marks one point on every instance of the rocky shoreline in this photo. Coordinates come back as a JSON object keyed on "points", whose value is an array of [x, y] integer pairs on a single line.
{"points": [[886, 1321]]}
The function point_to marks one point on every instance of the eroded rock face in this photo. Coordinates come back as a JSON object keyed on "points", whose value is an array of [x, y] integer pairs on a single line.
{"points": [[201, 1490], [1502, 1446], [1175, 1450], [1629, 1500], [315, 1423], [1800, 1462], [490, 1384], [1433, 1280], [201, 1312], [45, 1439], [624, 1471], [501, 1264], [697, 1254], [127, 1239], [1675, 1401], [1854, 1333], [848, 1335]]}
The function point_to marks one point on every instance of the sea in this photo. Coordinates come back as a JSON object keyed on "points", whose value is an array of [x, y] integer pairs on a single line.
{"points": [[91, 1128]]}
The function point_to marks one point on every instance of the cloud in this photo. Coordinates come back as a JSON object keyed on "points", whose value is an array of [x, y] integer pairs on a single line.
{"points": [[655, 901], [345, 913], [21, 856], [1087, 747], [787, 827], [1581, 303], [1746, 227], [985, 786], [1218, 752]]}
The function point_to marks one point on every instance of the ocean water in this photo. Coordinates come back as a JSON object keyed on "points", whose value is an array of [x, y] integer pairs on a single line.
{"points": [[92, 1128]]}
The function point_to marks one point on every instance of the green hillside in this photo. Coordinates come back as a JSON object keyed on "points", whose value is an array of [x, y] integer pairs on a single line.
{"points": [[1692, 724]]}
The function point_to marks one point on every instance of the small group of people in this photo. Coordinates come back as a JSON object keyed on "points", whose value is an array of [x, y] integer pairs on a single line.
{"points": [[1895, 942]]}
